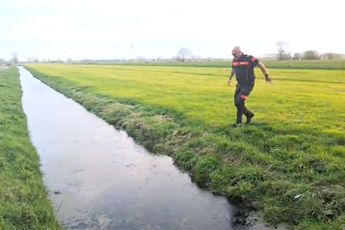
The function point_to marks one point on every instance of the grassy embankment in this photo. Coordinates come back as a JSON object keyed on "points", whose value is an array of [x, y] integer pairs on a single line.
{"points": [[24, 200], [289, 163]]}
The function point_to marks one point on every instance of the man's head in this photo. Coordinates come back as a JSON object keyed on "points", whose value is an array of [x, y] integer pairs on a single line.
{"points": [[236, 52]]}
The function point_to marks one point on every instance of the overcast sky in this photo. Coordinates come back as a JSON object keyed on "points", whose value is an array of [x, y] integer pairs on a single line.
{"points": [[108, 29]]}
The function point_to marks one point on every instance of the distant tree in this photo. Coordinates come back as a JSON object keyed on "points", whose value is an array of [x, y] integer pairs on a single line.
{"points": [[86, 61], [286, 56], [2, 61], [282, 53], [331, 56], [311, 55], [184, 54], [297, 56], [14, 59], [140, 58], [32, 60]]}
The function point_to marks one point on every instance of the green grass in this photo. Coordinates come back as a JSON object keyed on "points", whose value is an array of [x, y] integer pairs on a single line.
{"points": [[290, 64], [24, 200], [288, 164], [308, 64]]}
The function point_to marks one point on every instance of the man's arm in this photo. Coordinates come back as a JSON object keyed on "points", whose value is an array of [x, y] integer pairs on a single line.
{"points": [[230, 77], [265, 72]]}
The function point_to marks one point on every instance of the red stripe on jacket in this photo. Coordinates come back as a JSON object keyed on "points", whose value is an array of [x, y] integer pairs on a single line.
{"points": [[240, 63]]}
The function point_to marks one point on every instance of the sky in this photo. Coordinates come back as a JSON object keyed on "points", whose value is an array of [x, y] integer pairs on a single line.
{"points": [[124, 29]]}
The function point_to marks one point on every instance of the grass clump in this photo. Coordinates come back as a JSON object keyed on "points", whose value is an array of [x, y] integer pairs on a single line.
{"points": [[24, 202]]}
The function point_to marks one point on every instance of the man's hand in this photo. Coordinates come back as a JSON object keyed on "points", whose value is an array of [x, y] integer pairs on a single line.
{"points": [[229, 82], [268, 79]]}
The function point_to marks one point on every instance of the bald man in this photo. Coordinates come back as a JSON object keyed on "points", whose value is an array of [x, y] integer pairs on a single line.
{"points": [[243, 68]]}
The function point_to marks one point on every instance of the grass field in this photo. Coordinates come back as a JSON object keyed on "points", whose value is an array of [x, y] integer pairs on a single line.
{"points": [[289, 163], [24, 200], [298, 64]]}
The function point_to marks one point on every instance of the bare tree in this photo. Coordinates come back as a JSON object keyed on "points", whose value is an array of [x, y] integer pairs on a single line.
{"points": [[331, 56], [14, 59], [282, 53], [184, 54]]}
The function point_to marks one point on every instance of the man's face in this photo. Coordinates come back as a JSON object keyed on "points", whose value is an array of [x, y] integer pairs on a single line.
{"points": [[236, 53]]}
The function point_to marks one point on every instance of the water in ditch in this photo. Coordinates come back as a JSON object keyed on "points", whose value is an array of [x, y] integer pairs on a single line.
{"points": [[99, 178]]}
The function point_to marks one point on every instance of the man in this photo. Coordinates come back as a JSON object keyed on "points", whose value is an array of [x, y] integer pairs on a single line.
{"points": [[243, 67]]}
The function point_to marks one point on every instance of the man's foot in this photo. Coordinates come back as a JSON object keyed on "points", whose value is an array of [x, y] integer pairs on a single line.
{"points": [[249, 118], [236, 125]]}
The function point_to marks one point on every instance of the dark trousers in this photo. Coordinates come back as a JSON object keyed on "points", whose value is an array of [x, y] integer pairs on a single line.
{"points": [[241, 94]]}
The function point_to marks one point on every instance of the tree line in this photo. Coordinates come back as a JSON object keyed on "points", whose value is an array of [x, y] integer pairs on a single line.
{"points": [[283, 54]]}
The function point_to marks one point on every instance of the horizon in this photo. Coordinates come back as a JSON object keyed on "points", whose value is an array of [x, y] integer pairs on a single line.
{"points": [[273, 56]]}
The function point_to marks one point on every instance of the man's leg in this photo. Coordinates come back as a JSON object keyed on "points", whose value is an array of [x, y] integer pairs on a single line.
{"points": [[246, 112], [249, 115], [239, 103]]}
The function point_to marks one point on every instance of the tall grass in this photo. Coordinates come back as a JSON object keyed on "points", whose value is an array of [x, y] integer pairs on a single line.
{"points": [[289, 163], [24, 200]]}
